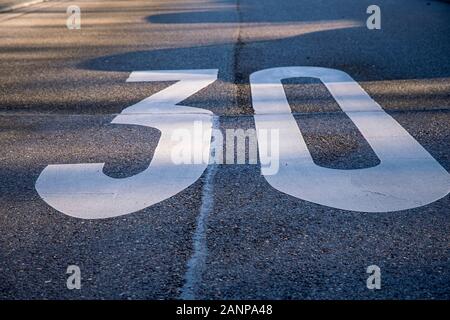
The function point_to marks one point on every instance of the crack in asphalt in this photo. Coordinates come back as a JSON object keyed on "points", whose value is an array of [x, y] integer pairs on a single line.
{"points": [[196, 263]]}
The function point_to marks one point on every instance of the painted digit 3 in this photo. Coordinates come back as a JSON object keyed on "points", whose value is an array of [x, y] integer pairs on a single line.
{"points": [[84, 191]]}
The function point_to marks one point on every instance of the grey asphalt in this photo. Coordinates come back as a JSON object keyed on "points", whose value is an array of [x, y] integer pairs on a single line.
{"points": [[10, 5], [60, 89]]}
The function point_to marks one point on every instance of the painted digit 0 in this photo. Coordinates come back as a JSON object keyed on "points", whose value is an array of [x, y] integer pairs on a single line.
{"points": [[407, 177]]}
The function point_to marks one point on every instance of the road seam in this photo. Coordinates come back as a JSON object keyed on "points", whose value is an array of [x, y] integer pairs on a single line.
{"points": [[196, 263]]}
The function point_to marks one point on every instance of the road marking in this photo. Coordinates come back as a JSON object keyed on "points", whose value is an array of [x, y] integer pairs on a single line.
{"points": [[84, 191], [407, 177], [196, 263]]}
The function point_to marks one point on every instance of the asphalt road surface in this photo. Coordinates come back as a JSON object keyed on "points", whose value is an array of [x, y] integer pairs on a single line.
{"points": [[229, 235]]}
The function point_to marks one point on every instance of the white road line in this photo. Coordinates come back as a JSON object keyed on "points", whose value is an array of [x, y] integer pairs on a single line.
{"points": [[196, 263]]}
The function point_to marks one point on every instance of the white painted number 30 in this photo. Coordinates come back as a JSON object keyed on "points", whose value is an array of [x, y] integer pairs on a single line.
{"points": [[407, 177]]}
